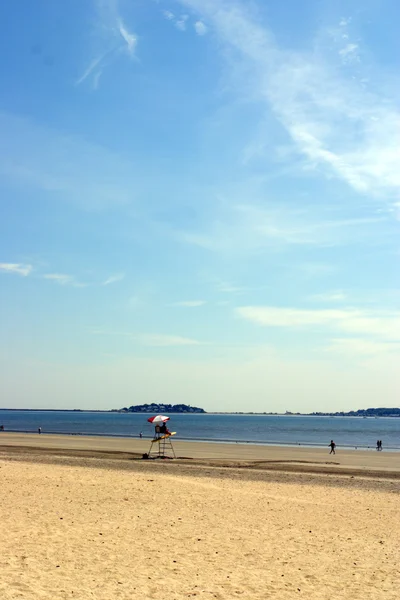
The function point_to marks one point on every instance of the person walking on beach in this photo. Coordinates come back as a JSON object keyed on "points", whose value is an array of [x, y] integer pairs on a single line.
{"points": [[39, 430], [140, 435], [380, 445], [377, 445], [332, 447]]}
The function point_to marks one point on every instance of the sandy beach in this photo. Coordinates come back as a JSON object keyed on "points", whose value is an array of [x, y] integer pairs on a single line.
{"points": [[103, 527], [294, 458]]}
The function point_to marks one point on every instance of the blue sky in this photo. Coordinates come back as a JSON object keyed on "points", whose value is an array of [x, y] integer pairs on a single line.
{"points": [[199, 203]]}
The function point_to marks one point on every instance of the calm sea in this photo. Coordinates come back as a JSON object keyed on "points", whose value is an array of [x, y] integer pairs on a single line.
{"points": [[260, 429]]}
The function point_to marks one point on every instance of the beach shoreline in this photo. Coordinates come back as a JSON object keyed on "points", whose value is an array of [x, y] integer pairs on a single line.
{"points": [[202, 455], [199, 440]]}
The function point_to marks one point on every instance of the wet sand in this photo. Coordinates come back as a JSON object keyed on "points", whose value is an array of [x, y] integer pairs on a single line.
{"points": [[293, 458]]}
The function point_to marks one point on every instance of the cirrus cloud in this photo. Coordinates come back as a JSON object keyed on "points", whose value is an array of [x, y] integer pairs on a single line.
{"points": [[200, 28], [63, 279], [331, 119], [381, 324], [114, 279], [189, 303], [162, 340], [17, 268]]}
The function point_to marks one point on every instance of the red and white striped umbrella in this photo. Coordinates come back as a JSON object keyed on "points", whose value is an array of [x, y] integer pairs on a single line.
{"points": [[158, 419]]}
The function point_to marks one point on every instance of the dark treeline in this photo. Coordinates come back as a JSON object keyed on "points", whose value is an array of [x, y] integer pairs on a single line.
{"points": [[163, 408], [365, 412]]}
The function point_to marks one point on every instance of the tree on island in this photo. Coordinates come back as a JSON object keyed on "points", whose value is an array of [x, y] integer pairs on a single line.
{"points": [[163, 408], [364, 412]]}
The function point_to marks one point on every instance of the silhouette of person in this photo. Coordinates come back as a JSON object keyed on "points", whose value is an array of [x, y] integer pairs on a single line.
{"points": [[377, 445], [332, 447], [164, 429], [380, 445]]}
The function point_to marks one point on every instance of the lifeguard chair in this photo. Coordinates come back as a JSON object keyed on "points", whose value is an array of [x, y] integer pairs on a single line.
{"points": [[161, 445]]}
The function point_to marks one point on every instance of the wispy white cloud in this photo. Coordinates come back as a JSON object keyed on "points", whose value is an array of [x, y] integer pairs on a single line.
{"points": [[334, 296], [249, 228], [381, 324], [350, 347], [60, 278], [271, 316], [114, 278], [349, 49], [113, 37], [96, 79], [92, 66], [128, 37], [331, 119], [189, 303], [165, 340], [63, 279], [200, 28], [17, 268], [300, 227], [229, 288], [168, 15], [181, 24], [149, 339]]}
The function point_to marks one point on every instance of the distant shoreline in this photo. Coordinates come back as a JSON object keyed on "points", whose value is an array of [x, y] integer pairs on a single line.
{"points": [[255, 414]]}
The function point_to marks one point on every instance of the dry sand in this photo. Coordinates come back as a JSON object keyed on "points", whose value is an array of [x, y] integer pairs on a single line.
{"points": [[134, 529]]}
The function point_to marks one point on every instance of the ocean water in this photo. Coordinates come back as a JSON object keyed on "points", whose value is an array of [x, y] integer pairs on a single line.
{"points": [[261, 429]]}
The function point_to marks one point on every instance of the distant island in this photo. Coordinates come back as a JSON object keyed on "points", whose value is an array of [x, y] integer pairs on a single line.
{"points": [[364, 412], [162, 408], [186, 408]]}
